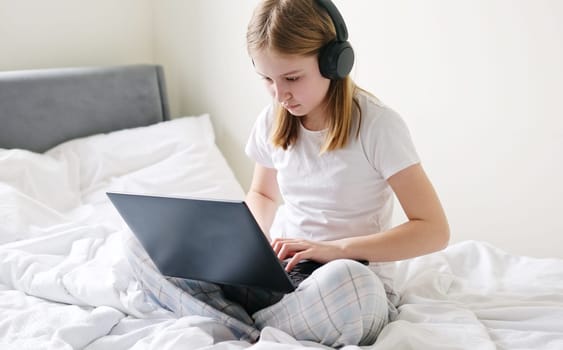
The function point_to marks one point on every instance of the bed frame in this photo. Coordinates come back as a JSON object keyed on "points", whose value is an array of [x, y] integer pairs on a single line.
{"points": [[41, 108]]}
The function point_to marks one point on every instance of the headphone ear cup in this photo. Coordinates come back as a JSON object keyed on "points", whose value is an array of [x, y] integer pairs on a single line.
{"points": [[336, 60]]}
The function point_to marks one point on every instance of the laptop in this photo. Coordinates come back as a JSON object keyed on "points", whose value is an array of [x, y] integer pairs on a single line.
{"points": [[217, 241]]}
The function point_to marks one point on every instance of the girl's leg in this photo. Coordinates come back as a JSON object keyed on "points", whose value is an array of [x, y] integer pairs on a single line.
{"points": [[341, 303], [187, 297], [251, 299]]}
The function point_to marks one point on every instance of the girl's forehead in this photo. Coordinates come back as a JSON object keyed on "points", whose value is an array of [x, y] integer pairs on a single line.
{"points": [[271, 60]]}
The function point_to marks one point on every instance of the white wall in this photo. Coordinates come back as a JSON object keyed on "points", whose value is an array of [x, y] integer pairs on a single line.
{"points": [[203, 49], [57, 33], [478, 82]]}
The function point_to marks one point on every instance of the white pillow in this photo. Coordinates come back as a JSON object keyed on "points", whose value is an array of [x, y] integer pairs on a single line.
{"points": [[102, 156], [173, 157], [40, 192]]}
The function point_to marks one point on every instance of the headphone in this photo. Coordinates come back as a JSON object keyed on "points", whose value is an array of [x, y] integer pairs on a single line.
{"points": [[337, 57]]}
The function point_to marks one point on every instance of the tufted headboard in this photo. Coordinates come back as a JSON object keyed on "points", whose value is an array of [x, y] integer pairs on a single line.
{"points": [[42, 108]]}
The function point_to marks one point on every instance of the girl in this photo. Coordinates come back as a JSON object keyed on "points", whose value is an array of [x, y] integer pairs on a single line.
{"points": [[334, 155]]}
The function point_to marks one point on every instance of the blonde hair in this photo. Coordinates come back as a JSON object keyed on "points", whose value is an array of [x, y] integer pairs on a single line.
{"points": [[301, 27]]}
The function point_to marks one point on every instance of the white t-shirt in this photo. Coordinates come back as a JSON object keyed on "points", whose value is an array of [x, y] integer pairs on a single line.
{"points": [[341, 193]]}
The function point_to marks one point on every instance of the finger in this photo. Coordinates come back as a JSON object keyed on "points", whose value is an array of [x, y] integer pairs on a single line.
{"points": [[276, 246], [290, 249], [278, 243], [296, 259]]}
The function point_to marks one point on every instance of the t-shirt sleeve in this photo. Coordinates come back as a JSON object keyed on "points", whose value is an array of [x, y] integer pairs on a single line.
{"points": [[390, 148], [258, 147]]}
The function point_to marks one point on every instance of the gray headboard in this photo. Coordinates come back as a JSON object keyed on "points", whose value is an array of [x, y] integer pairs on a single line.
{"points": [[42, 108]]}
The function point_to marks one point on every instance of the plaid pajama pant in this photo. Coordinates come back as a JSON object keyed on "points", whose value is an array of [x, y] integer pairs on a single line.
{"points": [[341, 303]]}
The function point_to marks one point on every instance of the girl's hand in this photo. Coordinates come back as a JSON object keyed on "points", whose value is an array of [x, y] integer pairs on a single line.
{"points": [[300, 249]]}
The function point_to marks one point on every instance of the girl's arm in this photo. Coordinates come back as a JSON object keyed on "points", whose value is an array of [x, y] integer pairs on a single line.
{"points": [[263, 197], [425, 231]]}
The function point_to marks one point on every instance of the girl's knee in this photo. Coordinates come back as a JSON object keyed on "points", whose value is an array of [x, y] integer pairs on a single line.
{"points": [[355, 300], [346, 273], [341, 303]]}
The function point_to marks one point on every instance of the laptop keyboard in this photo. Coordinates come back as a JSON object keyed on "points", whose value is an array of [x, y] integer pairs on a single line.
{"points": [[302, 270]]}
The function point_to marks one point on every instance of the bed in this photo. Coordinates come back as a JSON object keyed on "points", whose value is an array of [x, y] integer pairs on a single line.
{"points": [[69, 135]]}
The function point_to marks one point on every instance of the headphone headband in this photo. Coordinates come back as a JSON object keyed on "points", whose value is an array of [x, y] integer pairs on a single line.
{"points": [[339, 24]]}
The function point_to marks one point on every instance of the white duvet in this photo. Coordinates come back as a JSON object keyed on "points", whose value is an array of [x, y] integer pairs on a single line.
{"points": [[64, 283]]}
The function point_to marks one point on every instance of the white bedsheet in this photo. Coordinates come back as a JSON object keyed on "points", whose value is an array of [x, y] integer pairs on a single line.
{"points": [[64, 283]]}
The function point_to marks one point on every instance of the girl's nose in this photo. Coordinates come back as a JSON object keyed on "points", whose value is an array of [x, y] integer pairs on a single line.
{"points": [[282, 94]]}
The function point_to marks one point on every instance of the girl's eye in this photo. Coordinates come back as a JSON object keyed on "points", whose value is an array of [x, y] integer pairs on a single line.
{"points": [[291, 78]]}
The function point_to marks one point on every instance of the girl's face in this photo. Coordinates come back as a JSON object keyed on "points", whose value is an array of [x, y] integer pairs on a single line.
{"points": [[294, 81]]}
